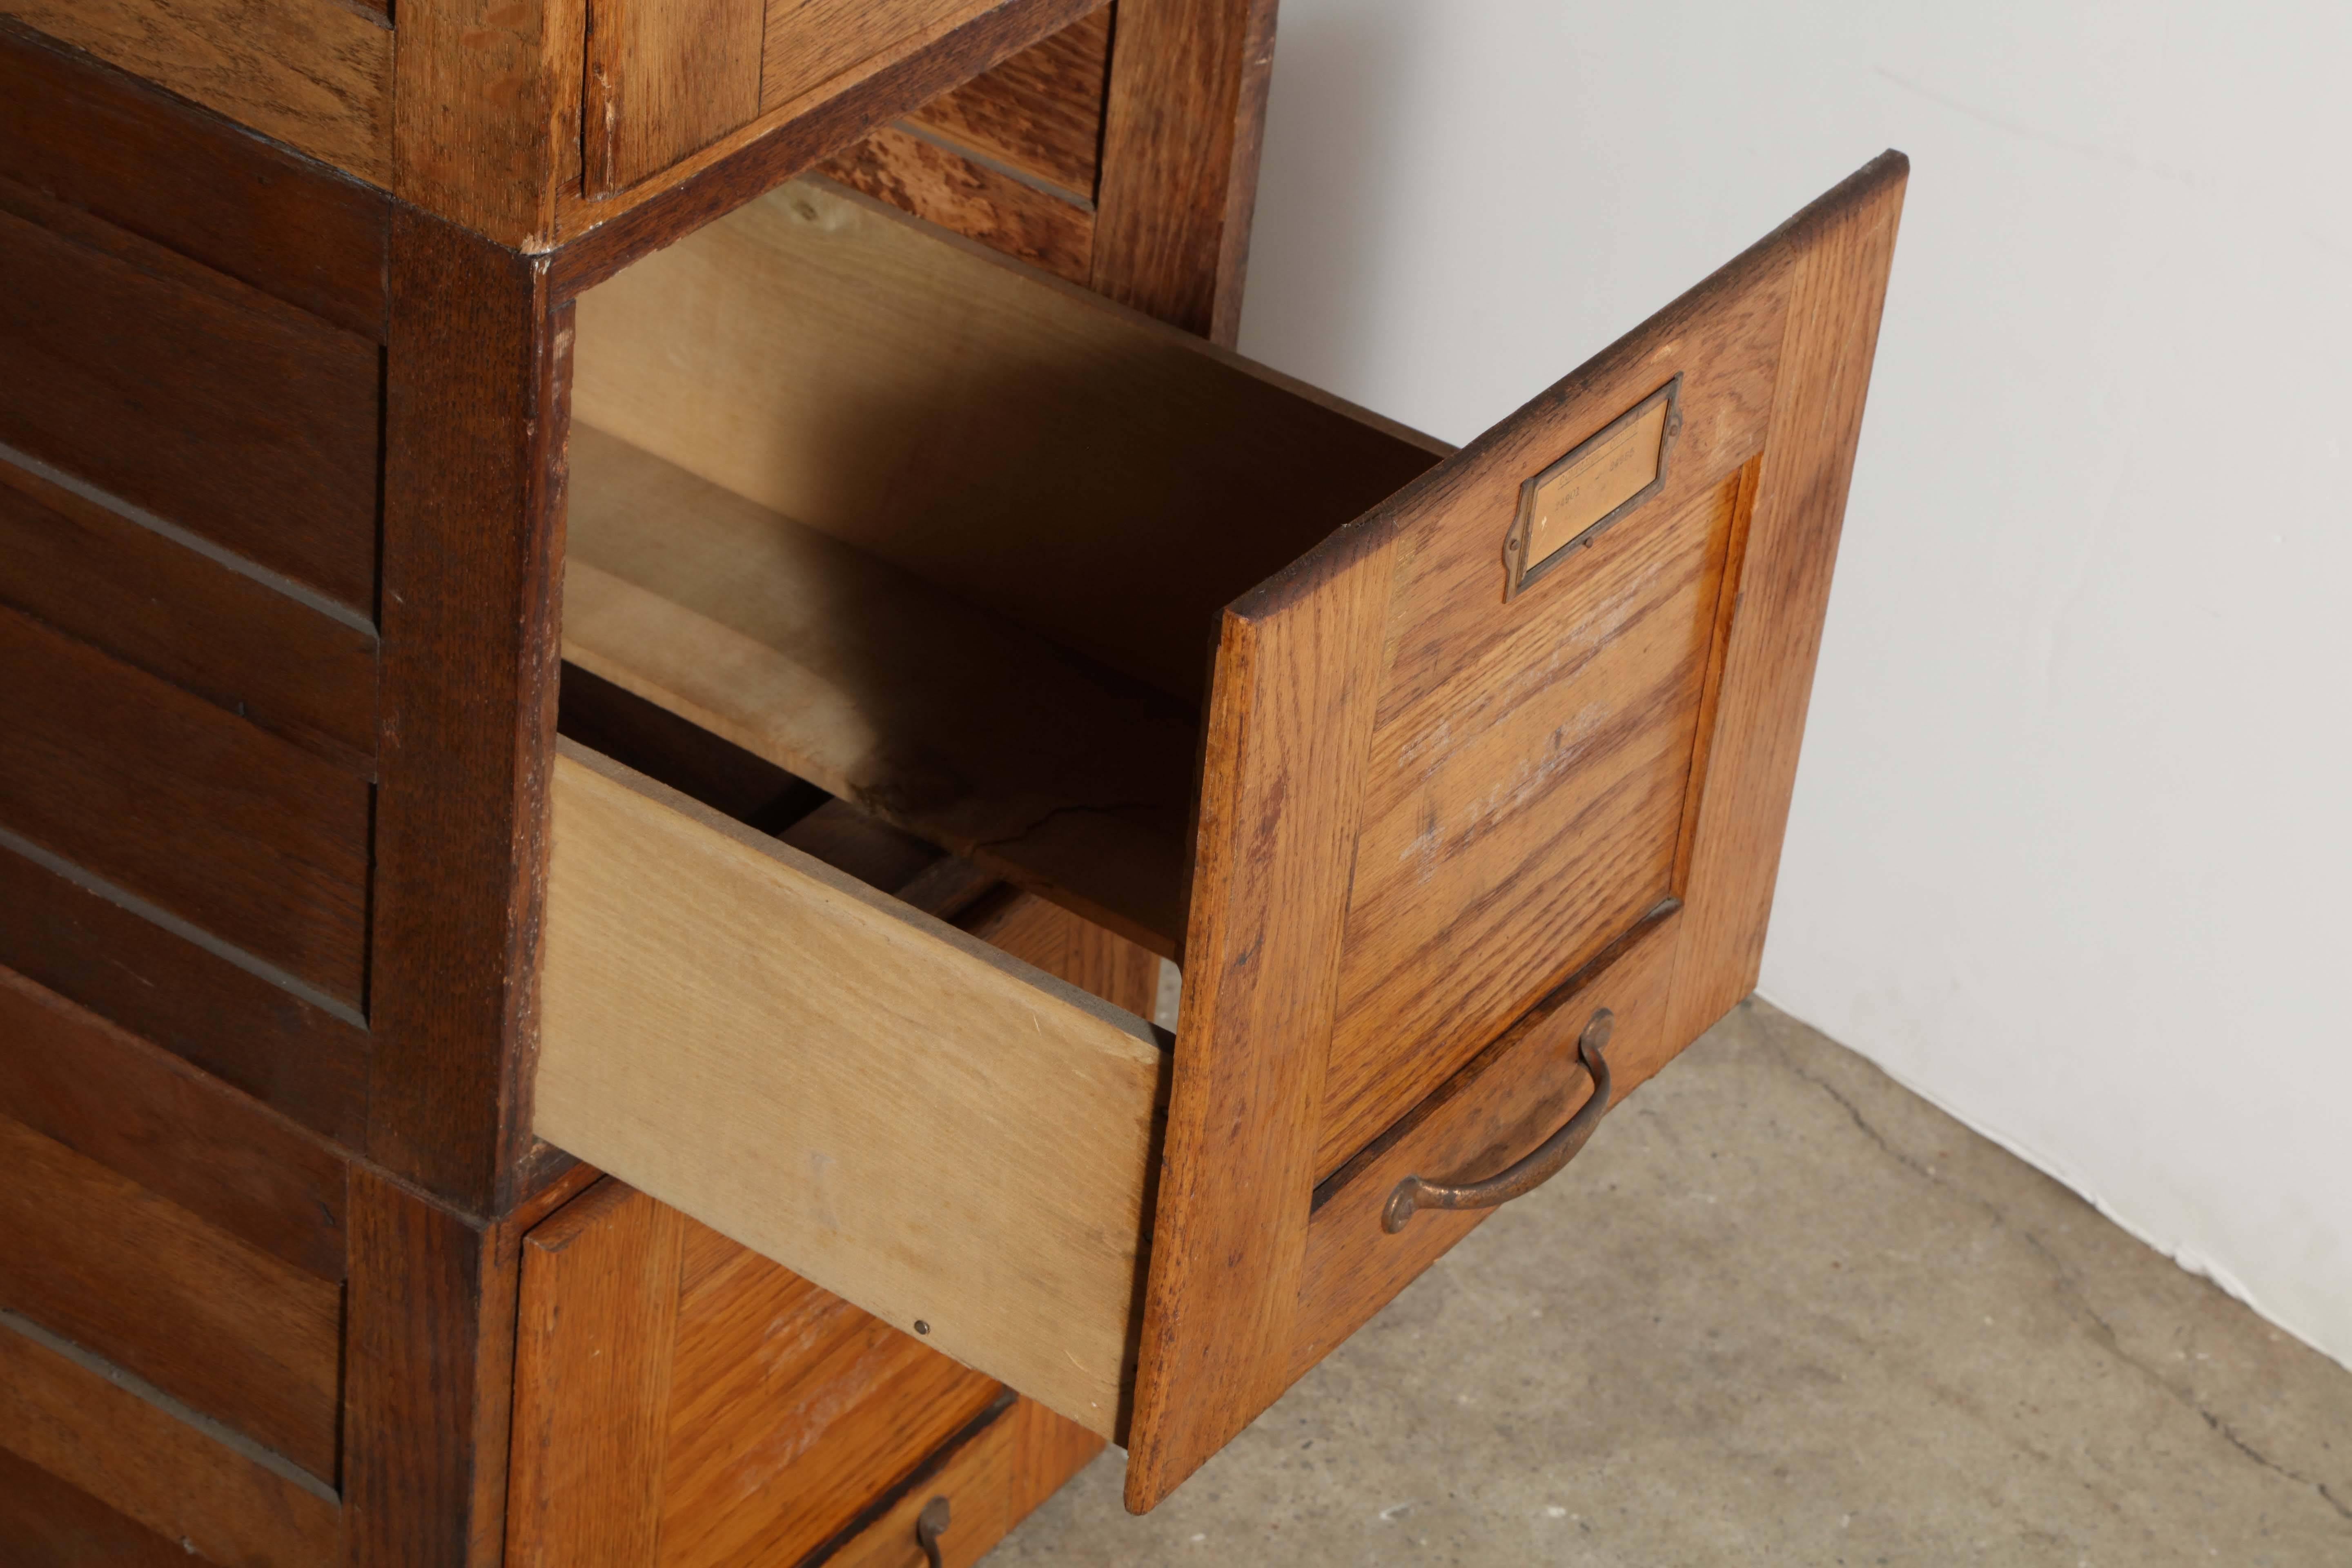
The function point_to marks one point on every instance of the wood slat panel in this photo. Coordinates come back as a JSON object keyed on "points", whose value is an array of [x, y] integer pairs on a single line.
{"points": [[257, 430], [934, 183], [48, 1524], [240, 832], [94, 139], [1525, 815], [1040, 112], [151, 602], [912, 1056], [313, 74], [234, 1332], [295, 1056], [666, 78], [598, 1320], [789, 1410], [148, 1464], [146, 1115]]}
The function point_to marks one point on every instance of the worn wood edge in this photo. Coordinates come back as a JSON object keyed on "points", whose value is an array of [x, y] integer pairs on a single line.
{"points": [[1777, 249], [795, 137]]}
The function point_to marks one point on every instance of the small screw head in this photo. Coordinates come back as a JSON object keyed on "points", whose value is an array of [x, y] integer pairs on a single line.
{"points": [[921, 1327]]}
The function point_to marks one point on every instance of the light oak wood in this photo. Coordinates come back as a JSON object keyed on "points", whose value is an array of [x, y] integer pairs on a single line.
{"points": [[878, 687], [665, 78], [1102, 479], [147, 1464], [906, 1117], [314, 73], [1040, 113], [938, 182], [596, 1326], [991, 1480]]}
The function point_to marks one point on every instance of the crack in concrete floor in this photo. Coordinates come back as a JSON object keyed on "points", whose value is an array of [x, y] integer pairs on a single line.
{"points": [[1781, 1310]]}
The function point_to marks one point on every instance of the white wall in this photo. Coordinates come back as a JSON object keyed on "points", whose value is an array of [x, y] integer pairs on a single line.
{"points": [[2073, 838]]}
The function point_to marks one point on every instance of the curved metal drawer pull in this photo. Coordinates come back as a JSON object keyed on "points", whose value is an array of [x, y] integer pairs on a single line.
{"points": [[1538, 1167], [930, 1525]]}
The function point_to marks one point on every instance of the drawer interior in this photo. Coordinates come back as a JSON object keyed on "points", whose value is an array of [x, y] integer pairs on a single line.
{"points": [[939, 533]]}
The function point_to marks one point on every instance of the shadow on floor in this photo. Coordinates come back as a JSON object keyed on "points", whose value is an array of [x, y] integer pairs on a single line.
{"points": [[1781, 1310]]}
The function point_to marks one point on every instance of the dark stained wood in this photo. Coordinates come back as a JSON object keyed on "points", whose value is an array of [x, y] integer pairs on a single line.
{"points": [[96, 138], [255, 428], [1845, 244], [1282, 780], [599, 243], [938, 185], [144, 1114], [300, 1058], [428, 1380], [1508, 1100], [243, 835], [154, 603], [598, 1324], [235, 1333], [48, 1524], [1180, 141], [1039, 113], [473, 515], [147, 1464]]}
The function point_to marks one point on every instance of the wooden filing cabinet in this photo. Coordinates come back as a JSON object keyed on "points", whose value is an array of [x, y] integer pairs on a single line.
{"points": [[626, 632]]}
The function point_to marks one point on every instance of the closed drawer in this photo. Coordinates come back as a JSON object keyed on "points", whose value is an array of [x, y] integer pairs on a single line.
{"points": [[1398, 752]]}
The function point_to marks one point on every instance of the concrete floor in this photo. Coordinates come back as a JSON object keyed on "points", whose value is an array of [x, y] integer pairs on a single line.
{"points": [[1781, 1310]]}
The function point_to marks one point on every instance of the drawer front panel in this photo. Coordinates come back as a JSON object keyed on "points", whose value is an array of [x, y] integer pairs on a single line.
{"points": [[935, 1131], [310, 73], [252, 424], [1506, 1102], [989, 1479], [241, 834], [154, 603]]}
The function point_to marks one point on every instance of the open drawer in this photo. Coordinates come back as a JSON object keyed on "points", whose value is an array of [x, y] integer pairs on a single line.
{"points": [[1415, 762]]}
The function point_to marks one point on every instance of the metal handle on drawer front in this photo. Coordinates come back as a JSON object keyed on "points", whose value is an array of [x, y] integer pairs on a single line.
{"points": [[930, 1525], [1541, 1166]]}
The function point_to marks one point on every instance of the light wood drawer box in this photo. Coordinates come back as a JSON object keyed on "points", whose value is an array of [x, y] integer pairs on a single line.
{"points": [[1242, 673]]}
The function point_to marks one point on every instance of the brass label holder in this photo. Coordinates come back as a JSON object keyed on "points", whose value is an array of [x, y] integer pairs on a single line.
{"points": [[1574, 501]]}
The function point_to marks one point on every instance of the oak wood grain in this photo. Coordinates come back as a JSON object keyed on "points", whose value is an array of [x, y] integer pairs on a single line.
{"points": [[256, 428], [473, 529], [603, 237], [1039, 113], [598, 1318], [313, 74], [236, 1333], [146, 1464], [93, 137], [242, 834], [937, 183], [487, 114], [144, 1114], [1504, 1103], [1846, 245], [993, 1477], [1099, 478], [1182, 134], [1282, 778], [666, 78], [171, 611], [798, 1058]]}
